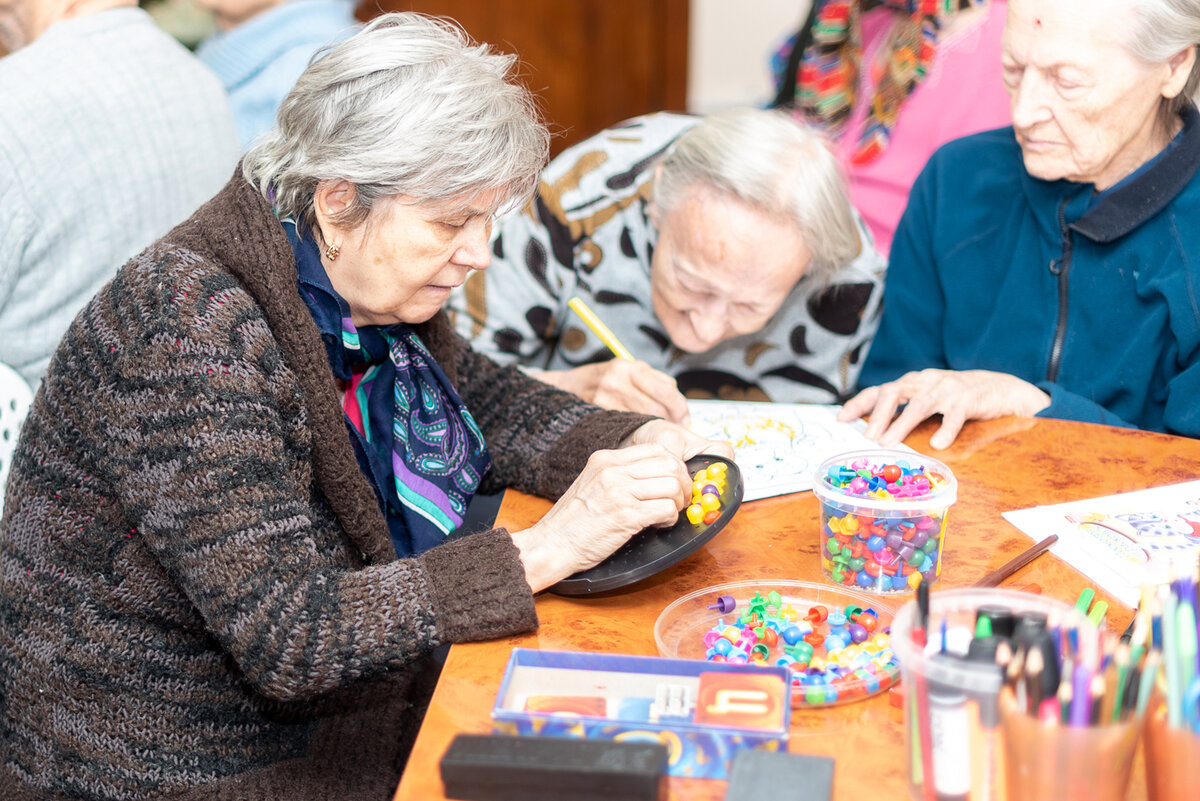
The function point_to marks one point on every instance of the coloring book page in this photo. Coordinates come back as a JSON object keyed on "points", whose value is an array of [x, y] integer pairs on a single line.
{"points": [[777, 445], [1122, 541]]}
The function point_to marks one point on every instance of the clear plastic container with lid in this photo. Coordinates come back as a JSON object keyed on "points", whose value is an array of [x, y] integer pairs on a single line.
{"points": [[883, 518]]}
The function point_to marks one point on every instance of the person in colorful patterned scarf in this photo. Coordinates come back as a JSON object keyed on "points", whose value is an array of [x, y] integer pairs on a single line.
{"points": [[721, 251], [892, 81], [224, 543]]}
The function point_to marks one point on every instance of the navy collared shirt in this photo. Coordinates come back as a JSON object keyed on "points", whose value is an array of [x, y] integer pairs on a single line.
{"points": [[326, 307]]}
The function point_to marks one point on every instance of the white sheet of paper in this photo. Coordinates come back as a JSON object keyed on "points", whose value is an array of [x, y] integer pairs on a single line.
{"points": [[777, 445], [1121, 541]]}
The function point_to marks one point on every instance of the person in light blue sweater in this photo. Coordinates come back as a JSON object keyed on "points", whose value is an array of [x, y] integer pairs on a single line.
{"points": [[111, 134], [261, 48], [1050, 268]]}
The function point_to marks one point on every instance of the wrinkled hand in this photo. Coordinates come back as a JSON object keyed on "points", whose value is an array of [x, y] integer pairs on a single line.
{"points": [[957, 395], [677, 440], [619, 493], [625, 385]]}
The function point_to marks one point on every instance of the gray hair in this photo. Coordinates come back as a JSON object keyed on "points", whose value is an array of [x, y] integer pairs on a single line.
{"points": [[409, 105], [1159, 30], [775, 163]]}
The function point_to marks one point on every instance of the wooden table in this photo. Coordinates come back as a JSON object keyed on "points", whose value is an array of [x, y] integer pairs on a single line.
{"points": [[1000, 465]]}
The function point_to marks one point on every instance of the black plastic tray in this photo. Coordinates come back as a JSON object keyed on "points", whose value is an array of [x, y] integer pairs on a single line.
{"points": [[655, 549]]}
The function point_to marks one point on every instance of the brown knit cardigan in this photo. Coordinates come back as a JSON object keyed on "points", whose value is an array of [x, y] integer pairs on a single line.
{"points": [[198, 594]]}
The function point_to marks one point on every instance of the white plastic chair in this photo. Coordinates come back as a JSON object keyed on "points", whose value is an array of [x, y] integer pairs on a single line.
{"points": [[15, 397]]}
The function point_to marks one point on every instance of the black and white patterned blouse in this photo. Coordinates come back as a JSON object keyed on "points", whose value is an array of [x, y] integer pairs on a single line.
{"points": [[588, 233]]}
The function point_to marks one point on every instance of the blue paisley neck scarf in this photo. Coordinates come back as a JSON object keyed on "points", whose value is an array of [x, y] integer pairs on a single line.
{"points": [[402, 404]]}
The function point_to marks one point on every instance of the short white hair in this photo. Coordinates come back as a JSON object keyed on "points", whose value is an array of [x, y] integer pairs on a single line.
{"points": [[775, 163], [1159, 30], [409, 105]]}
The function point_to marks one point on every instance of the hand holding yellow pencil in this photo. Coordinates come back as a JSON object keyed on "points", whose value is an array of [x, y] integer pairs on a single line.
{"points": [[626, 383]]}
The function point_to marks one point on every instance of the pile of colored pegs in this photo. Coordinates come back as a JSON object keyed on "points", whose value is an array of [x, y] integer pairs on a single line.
{"points": [[883, 520], [884, 482], [834, 653], [708, 485]]}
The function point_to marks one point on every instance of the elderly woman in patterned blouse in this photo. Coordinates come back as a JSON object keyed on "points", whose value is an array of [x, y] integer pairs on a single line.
{"points": [[721, 251]]}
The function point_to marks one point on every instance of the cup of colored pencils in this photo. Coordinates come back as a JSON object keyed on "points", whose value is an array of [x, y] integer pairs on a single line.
{"points": [[1072, 710], [956, 648], [1172, 732]]}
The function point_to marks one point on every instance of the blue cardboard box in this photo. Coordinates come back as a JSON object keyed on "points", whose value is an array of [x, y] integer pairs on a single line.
{"points": [[704, 712]]}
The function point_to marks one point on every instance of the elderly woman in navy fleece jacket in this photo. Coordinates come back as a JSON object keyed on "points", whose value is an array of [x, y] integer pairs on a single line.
{"points": [[1050, 269]]}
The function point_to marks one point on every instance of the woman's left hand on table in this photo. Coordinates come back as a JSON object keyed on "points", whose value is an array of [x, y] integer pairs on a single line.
{"points": [[957, 395]]}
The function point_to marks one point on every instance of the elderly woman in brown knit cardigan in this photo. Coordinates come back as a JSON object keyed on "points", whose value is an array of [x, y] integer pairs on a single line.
{"points": [[224, 557]]}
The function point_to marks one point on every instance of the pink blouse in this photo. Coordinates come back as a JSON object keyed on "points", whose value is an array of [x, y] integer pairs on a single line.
{"points": [[963, 94]]}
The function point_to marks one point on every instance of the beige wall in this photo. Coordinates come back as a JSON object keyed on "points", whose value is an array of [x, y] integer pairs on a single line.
{"points": [[730, 44]]}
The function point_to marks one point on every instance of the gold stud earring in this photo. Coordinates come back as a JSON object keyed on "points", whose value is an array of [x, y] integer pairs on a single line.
{"points": [[332, 252]]}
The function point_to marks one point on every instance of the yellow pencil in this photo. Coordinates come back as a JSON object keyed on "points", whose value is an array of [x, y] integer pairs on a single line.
{"points": [[599, 328]]}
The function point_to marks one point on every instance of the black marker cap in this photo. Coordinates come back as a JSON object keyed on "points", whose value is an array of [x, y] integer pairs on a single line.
{"points": [[1030, 627], [1002, 619], [983, 649], [1050, 673]]}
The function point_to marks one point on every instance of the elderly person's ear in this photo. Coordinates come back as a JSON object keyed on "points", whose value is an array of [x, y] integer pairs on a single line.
{"points": [[652, 207], [1180, 66], [331, 202]]}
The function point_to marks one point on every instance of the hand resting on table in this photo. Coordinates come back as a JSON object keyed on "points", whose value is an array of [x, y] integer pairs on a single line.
{"points": [[957, 395]]}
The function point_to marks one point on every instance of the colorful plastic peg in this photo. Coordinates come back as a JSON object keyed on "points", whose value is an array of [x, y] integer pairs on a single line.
{"points": [[725, 604]]}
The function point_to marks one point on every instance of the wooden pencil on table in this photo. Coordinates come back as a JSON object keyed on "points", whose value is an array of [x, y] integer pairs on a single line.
{"points": [[998, 575]]}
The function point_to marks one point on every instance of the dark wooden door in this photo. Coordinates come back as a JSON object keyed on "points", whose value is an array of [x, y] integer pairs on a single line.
{"points": [[593, 62]]}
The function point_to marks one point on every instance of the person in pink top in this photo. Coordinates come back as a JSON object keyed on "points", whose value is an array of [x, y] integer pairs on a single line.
{"points": [[891, 81]]}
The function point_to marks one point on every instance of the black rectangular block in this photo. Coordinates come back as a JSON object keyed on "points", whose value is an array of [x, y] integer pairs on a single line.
{"points": [[482, 767], [780, 776]]}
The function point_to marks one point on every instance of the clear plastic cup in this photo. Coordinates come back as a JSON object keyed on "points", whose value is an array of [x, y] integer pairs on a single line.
{"points": [[954, 737], [887, 539]]}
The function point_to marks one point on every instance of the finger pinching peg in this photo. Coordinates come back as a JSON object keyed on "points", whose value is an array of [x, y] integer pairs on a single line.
{"points": [[725, 604]]}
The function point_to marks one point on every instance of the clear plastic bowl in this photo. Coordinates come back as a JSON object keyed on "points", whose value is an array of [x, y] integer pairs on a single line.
{"points": [[680, 630]]}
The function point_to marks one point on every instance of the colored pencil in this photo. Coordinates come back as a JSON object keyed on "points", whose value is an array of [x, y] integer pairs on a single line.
{"points": [[1008, 568], [599, 328], [920, 707]]}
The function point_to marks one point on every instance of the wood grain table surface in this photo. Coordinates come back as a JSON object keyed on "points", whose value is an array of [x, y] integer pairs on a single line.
{"points": [[1001, 465]]}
